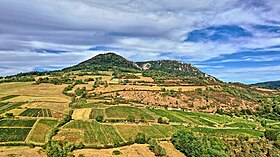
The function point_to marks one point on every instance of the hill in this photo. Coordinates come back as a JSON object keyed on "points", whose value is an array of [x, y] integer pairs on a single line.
{"points": [[159, 70], [269, 84], [109, 101], [104, 62]]}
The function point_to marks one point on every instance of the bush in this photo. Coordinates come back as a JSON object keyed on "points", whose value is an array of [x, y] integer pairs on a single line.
{"points": [[140, 138], [160, 120], [116, 152], [9, 115], [99, 118]]}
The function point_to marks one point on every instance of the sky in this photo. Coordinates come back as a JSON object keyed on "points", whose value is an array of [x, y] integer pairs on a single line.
{"points": [[233, 40]]}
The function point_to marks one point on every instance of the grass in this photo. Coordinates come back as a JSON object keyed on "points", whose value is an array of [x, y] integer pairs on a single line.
{"points": [[228, 132], [122, 112], [36, 112], [41, 130], [17, 123], [165, 113], [13, 134]]}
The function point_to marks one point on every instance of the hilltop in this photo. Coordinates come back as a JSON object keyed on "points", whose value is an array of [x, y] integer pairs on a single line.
{"points": [[269, 84]]}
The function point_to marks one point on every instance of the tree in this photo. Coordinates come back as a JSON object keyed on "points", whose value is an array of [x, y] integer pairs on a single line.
{"points": [[99, 118], [160, 120], [140, 138]]}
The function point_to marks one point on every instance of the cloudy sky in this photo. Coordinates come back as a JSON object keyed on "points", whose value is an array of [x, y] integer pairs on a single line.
{"points": [[234, 40]]}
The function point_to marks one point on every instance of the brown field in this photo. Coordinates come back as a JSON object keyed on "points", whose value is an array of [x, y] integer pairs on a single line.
{"points": [[61, 107], [170, 149], [81, 114], [136, 150], [151, 88], [70, 135], [27, 89], [38, 98], [21, 152]]}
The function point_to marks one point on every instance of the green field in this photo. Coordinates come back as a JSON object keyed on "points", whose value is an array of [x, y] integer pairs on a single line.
{"points": [[122, 112], [95, 133], [36, 112], [95, 112], [165, 113], [17, 123], [41, 130], [228, 132], [13, 134]]}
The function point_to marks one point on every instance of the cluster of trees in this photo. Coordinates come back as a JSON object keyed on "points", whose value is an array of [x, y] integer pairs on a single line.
{"points": [[156, 148], [18, 79], [55, 81], [192, 145], [120, 75]]}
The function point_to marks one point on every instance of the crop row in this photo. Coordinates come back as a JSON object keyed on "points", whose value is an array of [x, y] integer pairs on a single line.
{"points": [[17, 123], [13, 134], [36, 112]]}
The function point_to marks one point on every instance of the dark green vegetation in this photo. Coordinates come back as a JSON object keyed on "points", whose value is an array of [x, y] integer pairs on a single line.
{"points": [[6, 106], [8, 97], [13, 134], [269, 84], [192, 145], [36, 112], [15, 130], [17, 123]]}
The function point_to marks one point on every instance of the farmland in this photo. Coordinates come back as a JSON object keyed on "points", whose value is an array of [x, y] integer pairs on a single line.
{"points": [[112, 109], [36, 112], [41, 130]]}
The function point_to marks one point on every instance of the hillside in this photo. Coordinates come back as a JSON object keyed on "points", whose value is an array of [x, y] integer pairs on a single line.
{"points": [[269, 84], [136, 109]]}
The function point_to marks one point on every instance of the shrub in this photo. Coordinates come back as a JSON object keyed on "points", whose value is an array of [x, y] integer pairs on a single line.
{"points": [[140, 138], [160, 120], [116, 152], [99, 118]]}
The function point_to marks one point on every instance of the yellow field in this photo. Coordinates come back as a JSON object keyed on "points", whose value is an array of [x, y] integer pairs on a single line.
{"points": [[81, 114], [135, 150], [16, 112], [170, 149], [71, 135], [62, 107], [22, 152]]}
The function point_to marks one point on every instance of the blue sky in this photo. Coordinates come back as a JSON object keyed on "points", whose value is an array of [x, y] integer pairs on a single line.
{"points": [[233, 40]]}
